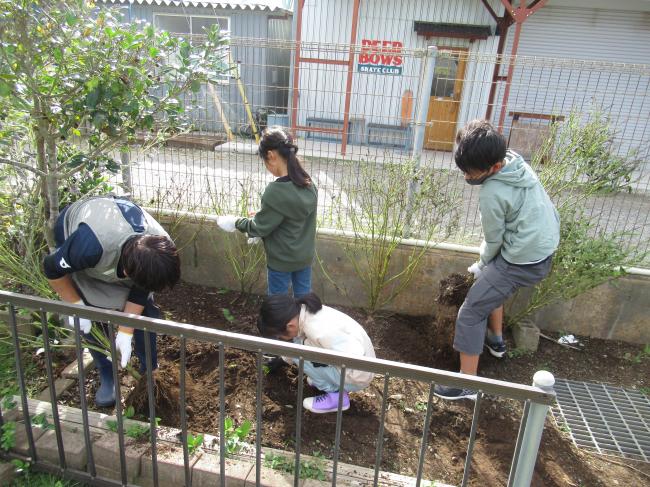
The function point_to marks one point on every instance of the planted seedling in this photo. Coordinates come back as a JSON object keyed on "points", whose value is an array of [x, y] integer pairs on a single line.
{"points": [[518, 353], [638, 357], [137, 431], [8, 437], [129, 412], [421, 406], [309, 469], [235, 436], [41, 421], [227, 314], [193, 442]]}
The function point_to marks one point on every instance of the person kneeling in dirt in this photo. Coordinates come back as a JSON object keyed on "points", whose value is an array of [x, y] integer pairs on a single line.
{"points": [[112, 254], [521, 230], [305, 320]]}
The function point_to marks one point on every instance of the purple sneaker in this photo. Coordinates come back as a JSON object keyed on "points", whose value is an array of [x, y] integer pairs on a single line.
{"points": [[326, 403]]}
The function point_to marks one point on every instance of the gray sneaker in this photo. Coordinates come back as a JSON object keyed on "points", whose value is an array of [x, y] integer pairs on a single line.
{"points": [[497, 350], [454, 394]]}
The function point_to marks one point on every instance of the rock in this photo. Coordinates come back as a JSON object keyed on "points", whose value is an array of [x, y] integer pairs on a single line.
{"points": [[526, 335]]}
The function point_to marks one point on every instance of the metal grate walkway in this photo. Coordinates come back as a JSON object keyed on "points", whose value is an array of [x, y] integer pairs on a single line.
{"points": [[604, 419]]}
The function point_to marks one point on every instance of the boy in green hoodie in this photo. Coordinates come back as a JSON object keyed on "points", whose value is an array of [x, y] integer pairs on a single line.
{"points": [[521, 230]]}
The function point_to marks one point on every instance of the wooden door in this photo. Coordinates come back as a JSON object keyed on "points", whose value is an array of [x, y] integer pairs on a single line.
{"points": [[444, 103]]}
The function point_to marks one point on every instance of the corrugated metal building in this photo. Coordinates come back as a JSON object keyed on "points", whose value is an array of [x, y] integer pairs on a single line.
{"points": [[383, 91], [264, 72]]}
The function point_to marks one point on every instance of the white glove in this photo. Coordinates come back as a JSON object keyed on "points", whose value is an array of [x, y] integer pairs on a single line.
{"points": [[227, 222], [253, 240], [123, 345], [475, 269], [85, 325]]}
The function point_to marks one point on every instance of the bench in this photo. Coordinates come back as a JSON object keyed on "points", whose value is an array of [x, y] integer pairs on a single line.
{"points": [[529, 131], [356, 129], [388, 135]]}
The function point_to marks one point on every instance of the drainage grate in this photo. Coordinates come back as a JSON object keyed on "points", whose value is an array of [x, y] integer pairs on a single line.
{"points": [[604, 419]]}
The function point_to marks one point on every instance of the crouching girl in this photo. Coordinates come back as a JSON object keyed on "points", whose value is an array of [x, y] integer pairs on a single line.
{"points": [[305, 320]]}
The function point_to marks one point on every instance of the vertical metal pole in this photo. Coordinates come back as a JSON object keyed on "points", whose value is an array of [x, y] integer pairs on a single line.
{"points": [[520, 435], [125, 167], [472, 437], [426, 81], [153, 423], [425, 435], [258, 419], [82, 394], [380, 436], [186, 454], [423, 103], [301, 371], [339, 421], [50, 384], [348, 83], [222, 414], [532, 435], [297, 22], [118, 403], [511, 71], [292, 59], [21, 383], [503, 24]]}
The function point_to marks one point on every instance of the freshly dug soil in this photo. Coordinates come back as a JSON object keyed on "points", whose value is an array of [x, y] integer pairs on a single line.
{"points": [[417, 340], [440, 333]]}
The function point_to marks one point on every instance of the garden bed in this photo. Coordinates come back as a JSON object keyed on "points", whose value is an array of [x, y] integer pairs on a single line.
{"points": [[400, 338]]}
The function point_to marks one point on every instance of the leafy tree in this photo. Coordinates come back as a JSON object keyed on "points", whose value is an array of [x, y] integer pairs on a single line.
{"points": [[575, 163], [78, 84]]}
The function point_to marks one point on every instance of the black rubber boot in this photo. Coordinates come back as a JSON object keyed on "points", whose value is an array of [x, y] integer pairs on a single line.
{"points": [[105, 395]]}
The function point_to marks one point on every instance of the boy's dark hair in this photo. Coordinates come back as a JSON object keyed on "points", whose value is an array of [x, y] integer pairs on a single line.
{"points": [[276, 138], [280, 309], [151, 262], [479, 146]]}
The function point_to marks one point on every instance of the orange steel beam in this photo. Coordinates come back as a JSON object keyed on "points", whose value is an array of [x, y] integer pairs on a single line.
{"points": [[296, 67], [348, 84], [519, 15]]}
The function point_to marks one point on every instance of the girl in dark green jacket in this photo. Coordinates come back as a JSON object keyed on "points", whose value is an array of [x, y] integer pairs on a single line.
{"points": [[286, 221]]}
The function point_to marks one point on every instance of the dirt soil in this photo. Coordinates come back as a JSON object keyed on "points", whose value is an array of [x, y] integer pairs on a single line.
{"points": [[418, 340]]}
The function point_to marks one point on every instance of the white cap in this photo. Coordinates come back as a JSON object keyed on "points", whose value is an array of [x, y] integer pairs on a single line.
{"points": [[543, 379]]}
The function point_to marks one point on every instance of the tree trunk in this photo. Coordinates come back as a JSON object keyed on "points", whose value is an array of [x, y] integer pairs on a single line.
{"points": [[40, 136], [52, 185]]}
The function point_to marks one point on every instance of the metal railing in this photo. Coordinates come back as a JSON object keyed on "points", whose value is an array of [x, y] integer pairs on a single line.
{"points": [[536, 398]]}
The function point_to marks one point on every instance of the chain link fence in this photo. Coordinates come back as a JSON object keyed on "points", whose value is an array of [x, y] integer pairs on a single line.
{"points": [[354, 110]]}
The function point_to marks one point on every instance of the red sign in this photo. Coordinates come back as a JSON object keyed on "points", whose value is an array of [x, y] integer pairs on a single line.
{"points": [[380, 57]]}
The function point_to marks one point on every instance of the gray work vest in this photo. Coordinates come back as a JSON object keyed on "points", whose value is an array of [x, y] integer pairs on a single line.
{"points": [[100, 285]]}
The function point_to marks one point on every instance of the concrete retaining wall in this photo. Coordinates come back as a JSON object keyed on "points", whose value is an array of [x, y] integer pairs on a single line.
{"points": [[618, 310], [204, 464]]}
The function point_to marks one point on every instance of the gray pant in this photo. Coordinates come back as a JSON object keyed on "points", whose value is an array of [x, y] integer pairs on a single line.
{"points": [[498, 281]]}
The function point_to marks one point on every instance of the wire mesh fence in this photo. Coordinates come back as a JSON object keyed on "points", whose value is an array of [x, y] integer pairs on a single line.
{"points": [[354, 111]]}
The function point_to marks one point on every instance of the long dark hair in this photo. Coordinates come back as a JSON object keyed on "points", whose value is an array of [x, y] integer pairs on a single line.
{"points": [[276, 138], [280, 309]]}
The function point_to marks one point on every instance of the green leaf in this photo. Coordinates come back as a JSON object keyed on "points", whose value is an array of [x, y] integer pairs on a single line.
{"points": [[227, 314], [99, 120], [196, 86], [5, 88], [244, 429], [129, 412]]}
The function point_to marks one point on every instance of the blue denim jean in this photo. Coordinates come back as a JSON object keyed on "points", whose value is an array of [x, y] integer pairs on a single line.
{"points": [[278, 282], [326, 379]]}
